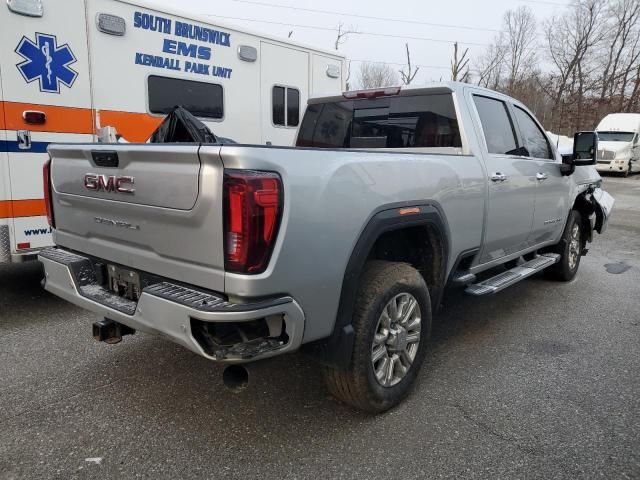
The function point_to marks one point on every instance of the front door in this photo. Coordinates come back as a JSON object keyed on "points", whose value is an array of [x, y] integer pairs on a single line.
{"points": [[511, 191], [552, 188]]}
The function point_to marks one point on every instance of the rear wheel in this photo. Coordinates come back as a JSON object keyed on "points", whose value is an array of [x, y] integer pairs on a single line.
{"points": [[392, 322], [570, 250]]}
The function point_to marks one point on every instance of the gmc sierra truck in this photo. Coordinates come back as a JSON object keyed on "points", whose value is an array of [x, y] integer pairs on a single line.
{"points": [[341, 246]]}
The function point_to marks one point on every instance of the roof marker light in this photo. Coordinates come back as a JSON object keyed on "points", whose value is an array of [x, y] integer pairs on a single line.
{"points": [[409, 211], [29, 8], [111, 24]]}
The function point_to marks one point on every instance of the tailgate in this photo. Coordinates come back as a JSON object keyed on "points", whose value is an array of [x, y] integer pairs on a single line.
{"points": [[157, 208]]}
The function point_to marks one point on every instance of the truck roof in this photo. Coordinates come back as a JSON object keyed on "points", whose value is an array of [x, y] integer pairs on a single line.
{"points": [[402, 90], [620, 122], [211, 19]]}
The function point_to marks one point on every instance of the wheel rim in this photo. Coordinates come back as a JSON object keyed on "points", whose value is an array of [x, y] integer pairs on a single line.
{"points": [[396, 339], [574, 247]]}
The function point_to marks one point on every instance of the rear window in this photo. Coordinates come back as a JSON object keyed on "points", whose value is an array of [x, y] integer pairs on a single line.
{"points": [[386, 122], [200, 98]]}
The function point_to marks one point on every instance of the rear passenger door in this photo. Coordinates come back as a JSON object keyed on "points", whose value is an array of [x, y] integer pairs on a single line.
{"points": [[511, 184], [552, 189]]}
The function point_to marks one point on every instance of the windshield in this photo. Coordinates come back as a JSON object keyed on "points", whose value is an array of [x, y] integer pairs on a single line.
{"points": [[615, 136], [386, 122]]}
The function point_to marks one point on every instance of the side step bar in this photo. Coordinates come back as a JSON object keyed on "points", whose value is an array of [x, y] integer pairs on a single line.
{"points": [[514, 275]]}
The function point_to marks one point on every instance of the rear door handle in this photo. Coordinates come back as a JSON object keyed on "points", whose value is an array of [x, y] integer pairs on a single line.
{"points": [[541, 176], [498, 177]]}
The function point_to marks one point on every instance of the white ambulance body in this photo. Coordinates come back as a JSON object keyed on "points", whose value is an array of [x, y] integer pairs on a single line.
{"points": [[69, 68]]}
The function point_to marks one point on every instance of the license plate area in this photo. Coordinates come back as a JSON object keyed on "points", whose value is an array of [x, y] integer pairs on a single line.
{"points": [[123, 282]]}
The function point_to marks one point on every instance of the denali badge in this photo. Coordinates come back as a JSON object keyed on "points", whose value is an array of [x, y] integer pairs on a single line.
{"points": [[112, 183], [116, 223]]}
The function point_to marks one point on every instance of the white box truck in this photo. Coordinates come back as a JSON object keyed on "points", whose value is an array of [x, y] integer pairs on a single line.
{"points": [[69, 69], [619, 143]]}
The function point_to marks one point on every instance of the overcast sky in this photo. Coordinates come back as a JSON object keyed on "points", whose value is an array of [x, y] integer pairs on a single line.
{"points": [[472, 22]]}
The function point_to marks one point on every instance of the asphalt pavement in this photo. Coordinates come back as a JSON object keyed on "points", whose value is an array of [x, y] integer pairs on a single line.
{"points": [[540, 381]]}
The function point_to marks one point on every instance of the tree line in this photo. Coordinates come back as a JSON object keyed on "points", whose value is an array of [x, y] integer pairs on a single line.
{"points": [[570, 69]]}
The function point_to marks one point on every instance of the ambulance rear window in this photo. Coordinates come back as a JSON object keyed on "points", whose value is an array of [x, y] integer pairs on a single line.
{"points": [[200, 98]]}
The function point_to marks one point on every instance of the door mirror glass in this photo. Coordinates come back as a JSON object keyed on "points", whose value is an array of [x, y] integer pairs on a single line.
{"points": [[585, 148]]}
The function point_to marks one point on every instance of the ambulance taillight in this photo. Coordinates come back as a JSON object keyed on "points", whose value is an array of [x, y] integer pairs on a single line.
{"points": [[46, 179]]}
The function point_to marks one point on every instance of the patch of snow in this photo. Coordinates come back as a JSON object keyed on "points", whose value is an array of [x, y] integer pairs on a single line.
{"points": [[563, 144]]}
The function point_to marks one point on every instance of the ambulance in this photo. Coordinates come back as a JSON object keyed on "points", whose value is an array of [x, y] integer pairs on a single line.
{"points": [[92, 70]]}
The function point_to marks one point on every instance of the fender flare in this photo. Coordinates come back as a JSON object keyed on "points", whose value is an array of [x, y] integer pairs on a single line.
{"points": [[336, 350]]}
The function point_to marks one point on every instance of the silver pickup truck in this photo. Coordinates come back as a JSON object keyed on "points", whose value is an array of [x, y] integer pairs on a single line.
{"points": [[342, 246]]}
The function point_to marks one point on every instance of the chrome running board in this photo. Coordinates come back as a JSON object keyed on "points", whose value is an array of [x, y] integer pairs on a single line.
{"points": [[512, 276]]}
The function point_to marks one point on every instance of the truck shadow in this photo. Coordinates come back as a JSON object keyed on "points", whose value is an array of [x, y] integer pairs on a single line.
{"points": [[23, 301], [147, 378], [16, 278], [175, 384]]}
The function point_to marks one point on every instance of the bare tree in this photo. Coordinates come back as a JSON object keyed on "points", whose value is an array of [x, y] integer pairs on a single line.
{"points": [[410, 74], [490, 66], [511, 57], [570, 38], [633, 105], [375, 75], [458, 65], [621, 51], [520, 35], [347, 80], [343, 33]]}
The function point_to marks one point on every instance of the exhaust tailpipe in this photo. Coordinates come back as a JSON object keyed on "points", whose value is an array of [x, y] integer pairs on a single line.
{"points": [[235, 378]]}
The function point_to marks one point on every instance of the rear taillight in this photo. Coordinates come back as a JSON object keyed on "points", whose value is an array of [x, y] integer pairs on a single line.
{"points": [[252, 211], [46, 180]]}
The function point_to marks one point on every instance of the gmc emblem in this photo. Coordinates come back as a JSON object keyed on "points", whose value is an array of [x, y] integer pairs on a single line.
{"points": [[108, 183]]}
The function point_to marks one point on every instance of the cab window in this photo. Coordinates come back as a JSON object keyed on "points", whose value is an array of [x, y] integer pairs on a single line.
{"points": [[424, 121], [496, 124], [534, 139]]}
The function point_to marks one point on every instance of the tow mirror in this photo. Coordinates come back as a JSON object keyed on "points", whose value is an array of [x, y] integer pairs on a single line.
{"points": [[585, 148]]}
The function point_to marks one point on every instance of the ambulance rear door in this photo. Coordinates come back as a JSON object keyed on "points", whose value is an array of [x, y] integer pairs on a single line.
{"points": [[5, 186], [47, 98]]}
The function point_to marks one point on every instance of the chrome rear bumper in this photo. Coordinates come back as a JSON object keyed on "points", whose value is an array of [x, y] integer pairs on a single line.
{"points": [[170, 309]]}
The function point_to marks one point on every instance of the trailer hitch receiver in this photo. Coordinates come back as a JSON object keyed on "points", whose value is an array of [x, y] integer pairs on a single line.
{"points": [[110, 331]]}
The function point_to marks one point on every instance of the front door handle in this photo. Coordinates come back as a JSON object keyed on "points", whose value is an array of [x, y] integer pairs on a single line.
{"points": [[498, 177], [541, 176]]}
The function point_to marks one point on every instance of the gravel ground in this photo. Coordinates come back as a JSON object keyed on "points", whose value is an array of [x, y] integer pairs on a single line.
{"points": [[540, 381]]}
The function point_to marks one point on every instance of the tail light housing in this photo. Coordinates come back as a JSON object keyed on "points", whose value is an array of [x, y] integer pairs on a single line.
{"points": [[252, 209], [46, 180]]}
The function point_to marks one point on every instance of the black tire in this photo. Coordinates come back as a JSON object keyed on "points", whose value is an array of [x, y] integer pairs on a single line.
{"points": [[566, 268], [358, 385]]}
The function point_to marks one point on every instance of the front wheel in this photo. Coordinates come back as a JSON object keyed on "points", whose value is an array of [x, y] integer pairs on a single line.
{"points": [[569, 248], [392, 322]]}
